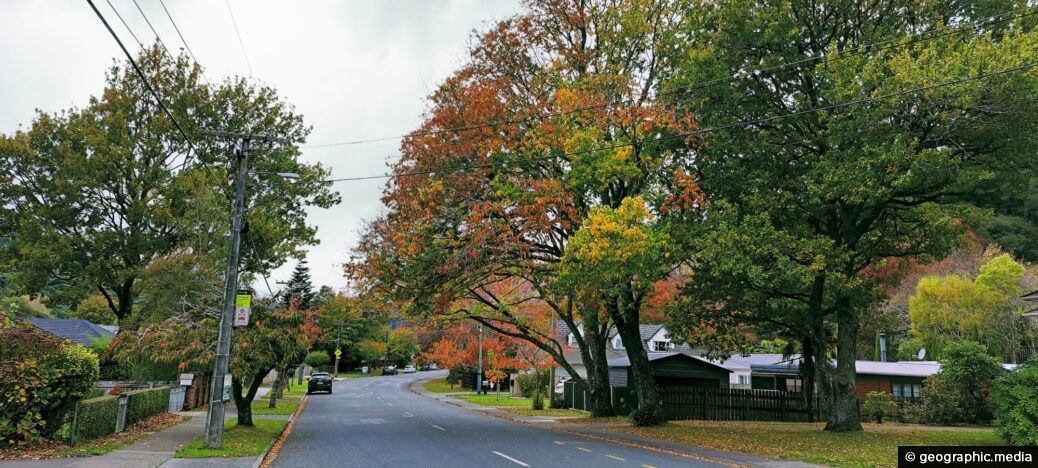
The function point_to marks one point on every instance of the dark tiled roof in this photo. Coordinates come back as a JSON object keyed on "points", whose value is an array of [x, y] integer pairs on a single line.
{"points": [[75, 330]]}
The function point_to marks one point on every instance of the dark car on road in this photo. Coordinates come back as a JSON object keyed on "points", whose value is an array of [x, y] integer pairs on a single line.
{"points": [[319, 382], [389, 370]]}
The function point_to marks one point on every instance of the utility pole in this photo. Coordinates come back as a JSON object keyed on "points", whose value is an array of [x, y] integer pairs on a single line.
{"points": [[338, 352], [215, 415], [479, 367]]}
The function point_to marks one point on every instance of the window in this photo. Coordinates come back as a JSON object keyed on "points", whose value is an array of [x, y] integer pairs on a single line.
{"points": [[906, 390], [662, 346], [743, 380]]}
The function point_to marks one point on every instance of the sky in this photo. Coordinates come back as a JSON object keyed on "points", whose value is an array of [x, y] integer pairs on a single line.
{"points": [[355, 69]]}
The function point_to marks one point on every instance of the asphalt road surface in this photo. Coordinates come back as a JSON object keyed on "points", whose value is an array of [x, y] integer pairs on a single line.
{"points": [[377, 421]]}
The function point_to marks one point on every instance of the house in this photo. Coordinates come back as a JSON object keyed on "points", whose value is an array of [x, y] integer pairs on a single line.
{"points": [[654, 338], [668, 370], [77, 331], [740, 365]]}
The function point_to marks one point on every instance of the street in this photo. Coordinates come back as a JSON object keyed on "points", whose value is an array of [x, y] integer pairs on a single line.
{"points": [[377, 421]]}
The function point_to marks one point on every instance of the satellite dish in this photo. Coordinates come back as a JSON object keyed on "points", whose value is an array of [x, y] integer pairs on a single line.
{"points": [[921, 354]]}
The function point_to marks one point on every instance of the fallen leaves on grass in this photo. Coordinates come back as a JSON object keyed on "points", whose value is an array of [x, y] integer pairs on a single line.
{"points": [[58, 449]]}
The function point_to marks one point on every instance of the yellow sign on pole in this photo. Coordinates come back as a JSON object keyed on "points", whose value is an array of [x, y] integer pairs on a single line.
{"points": [[338, 353], [242, 307]]}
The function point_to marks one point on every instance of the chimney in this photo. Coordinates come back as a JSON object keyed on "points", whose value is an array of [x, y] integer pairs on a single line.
{"points": [[882, 347]]}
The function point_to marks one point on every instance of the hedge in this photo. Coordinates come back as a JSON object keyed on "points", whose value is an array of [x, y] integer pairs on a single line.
{"points": [[144, 403], [96, 417]]}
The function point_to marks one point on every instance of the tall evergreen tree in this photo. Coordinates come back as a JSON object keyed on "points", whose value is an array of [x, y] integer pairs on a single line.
{"points": [[299, 287]]}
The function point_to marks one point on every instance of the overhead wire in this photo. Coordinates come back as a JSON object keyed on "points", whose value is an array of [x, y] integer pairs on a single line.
{"points": [[700, 131], [184, 41], [240, 41], [839, 55], [123, 21]]}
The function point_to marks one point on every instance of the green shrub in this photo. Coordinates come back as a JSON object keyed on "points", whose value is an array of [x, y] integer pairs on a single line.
{"points": [[41, 379], [557, 401], [144, 403], [530, 381], [537, 401], [95, 418], [95, 392], [318, 359], [1015, 398], [877, 405], [958, 393]]}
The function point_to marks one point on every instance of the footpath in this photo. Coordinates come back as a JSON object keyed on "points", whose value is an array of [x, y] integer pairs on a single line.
{"points": [[157, 449], [563, 425]]}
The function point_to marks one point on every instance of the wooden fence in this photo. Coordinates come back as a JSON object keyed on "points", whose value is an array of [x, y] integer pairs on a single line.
{"points": [[724, 404]]}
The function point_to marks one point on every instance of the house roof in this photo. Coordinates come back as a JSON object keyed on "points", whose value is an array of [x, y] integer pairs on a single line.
{"points": [[75, 330], [645, 330], [626, 362], [896, 369], [744, 362]]}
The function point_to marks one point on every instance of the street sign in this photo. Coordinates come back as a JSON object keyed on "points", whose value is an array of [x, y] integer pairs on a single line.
{"points": [[338, 353], [242, 307]]}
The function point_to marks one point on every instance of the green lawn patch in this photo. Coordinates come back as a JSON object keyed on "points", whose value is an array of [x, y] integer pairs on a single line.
{"points": [[282, 407], [237, 441], [547, 412], [809, 443], [494, 400], [441, 386]]}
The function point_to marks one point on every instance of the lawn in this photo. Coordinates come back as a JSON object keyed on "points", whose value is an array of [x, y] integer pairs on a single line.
{"points": [[492, 399], [441, 386], [237, 441], [875, 447], [283, 407], [547, 412]]}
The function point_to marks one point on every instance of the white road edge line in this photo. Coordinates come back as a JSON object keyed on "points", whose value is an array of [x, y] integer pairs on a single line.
{"points": [[440, 428], [388, 403], [506, 457]]}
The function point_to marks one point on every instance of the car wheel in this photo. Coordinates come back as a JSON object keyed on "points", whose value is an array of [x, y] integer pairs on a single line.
{"points": [[308, 392]]}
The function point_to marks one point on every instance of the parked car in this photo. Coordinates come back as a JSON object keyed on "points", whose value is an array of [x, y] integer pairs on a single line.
{"points": [[409, 369], [389, 370], [319, 382]]}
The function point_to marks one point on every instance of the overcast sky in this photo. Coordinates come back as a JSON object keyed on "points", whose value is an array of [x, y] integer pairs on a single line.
{"points": [[356, 69]]}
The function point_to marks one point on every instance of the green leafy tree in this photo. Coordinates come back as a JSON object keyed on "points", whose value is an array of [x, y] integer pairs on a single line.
{"points": [[817, 199], [95, 309], [317, 359], [948, 309], [1015, 398], [299, 289], [958, 393], [92, 196]]}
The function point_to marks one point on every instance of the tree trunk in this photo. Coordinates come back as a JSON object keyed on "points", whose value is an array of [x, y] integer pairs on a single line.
{"points": [[843, 416], [627, 325], [597, 366], [807, 372], [244, 402]]}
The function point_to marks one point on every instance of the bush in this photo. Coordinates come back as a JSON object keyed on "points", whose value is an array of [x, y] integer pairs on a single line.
{"points": [[557, 401], [1015, 398], [958, 393], [95, 392], [317, 359], [41, 379], [530, 381], [95, 418], [538, 399], [878, 404], [144, 403]]}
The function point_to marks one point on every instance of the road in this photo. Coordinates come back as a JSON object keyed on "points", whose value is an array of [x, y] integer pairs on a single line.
{"points": [[377, 421]]}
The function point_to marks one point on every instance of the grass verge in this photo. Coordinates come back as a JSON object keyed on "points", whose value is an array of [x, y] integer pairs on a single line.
{"points": [[283, 407], [808, 443], [441, 386], [237, 441], [494, 400], [547, 412]]}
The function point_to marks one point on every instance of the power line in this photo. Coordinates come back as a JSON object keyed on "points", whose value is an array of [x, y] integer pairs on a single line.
{"points": [[144, 80], [184, 41], [121, 20], [699, 131], [236, 31], [872, 48]]}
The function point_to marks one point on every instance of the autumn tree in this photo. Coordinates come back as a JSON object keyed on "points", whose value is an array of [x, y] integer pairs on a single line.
{"points": [[570, 87], [831, 156], [92, 195]]}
